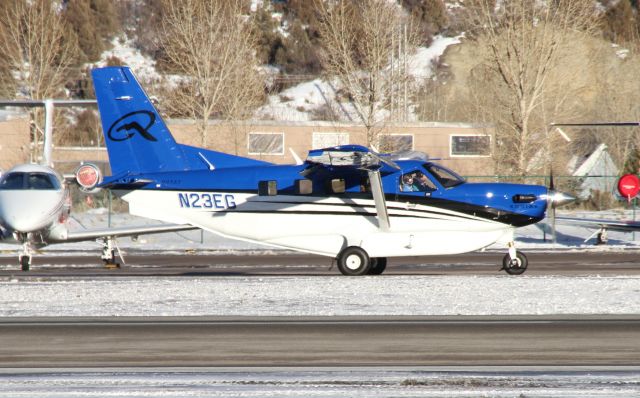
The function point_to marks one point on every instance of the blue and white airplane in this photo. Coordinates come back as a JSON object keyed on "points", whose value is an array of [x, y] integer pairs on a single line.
{"points": [[346, 202]]}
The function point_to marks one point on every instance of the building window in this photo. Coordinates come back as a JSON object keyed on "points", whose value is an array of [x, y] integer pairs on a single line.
{"points": [[328, 140], [266, 144], [396, 143], [470, 145]]}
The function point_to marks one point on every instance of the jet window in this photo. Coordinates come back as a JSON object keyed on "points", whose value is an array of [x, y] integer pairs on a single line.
{"points": [[12, 181], [444, 176]]}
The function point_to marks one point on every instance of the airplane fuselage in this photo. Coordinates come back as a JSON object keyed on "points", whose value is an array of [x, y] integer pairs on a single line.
{"points": [[338, 211]]}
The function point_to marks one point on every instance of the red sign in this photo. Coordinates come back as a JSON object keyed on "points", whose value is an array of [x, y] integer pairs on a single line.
{"points": [[629, 185]]}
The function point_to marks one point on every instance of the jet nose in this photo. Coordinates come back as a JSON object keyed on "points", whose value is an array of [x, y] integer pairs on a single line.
{"points": [[22, 213], [558, 198]]}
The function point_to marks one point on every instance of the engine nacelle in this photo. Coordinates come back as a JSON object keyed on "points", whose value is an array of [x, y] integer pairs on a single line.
{"points": [[88, 176]]}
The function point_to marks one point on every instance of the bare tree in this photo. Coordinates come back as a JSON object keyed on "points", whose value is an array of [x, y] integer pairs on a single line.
{"points": [[359, 45], [37, 49], [521, 45], [209, 42]]}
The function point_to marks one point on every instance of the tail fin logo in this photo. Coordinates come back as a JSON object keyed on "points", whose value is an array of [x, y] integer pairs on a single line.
{"points": [[128, 125]]}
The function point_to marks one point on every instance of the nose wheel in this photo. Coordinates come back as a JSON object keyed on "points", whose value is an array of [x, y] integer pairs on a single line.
{"points": [[515, 265], [25, 262], [25, 255]]}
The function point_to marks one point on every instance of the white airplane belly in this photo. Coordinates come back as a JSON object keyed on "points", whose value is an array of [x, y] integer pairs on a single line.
{"points": [[324, 226]]}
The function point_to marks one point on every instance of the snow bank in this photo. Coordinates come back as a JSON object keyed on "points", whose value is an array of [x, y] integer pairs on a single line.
{"points": [[321, 296]]}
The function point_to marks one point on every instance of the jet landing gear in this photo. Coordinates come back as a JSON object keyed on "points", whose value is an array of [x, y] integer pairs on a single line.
{"points": [[25, 255], [25, 262], [354, 261], [514, 262], [109, 253]]}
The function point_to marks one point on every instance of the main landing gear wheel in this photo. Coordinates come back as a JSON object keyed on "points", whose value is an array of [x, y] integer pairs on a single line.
{"points": [[25, 262], [353, 261], [516, 266], [378, 265]]}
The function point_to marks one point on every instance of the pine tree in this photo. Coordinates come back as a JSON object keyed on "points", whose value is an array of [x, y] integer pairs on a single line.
{"points": [[268, 39], [94, 22], [431, 14]]}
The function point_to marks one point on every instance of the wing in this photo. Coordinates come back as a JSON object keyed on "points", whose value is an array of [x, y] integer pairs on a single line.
{"points": [[360, 159], [611, 225], [357, 156], [91, 234]]}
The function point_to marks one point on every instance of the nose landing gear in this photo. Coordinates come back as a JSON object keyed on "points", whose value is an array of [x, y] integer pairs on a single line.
{"points": [[514, 262], [25, 255]]}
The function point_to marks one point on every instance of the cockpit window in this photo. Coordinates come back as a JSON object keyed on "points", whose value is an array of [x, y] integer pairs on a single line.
{"points": [[416, 181], [12, 181], [444, 176], [35, 181], [39, 181]]}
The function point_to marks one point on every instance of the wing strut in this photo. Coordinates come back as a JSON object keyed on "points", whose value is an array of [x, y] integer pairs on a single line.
{"points": [[378, 198]]}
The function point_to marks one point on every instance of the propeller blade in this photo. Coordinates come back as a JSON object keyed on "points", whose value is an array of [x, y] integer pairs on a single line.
{"points": [[553, 222]]}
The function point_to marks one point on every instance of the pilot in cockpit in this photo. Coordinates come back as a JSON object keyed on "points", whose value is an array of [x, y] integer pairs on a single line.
{"points": [[407, 183]]}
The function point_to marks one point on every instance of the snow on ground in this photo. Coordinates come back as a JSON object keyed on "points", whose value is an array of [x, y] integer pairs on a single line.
{"points": [[320, 296], [124, 49], [421, 63], [317, 295], [350, 382]]}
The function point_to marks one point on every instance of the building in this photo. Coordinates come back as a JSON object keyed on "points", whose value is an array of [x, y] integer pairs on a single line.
{"points": [[463, 147]]}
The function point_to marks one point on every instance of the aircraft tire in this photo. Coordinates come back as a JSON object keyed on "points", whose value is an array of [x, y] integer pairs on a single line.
{"points": [[354, 261], [519, 267], [378, 265], [25, 263]]}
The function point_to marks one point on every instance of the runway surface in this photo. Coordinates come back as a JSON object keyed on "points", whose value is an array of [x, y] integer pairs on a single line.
{"points": [[330, 341], [578, 262]]}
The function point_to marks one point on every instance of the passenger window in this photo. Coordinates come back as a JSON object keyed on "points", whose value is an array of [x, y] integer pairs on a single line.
{"points": [[337, 185], [304, 187], [267, 188]]}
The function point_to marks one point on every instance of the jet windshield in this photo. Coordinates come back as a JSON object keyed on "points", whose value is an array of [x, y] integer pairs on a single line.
{"points": [[23, 181], [444, 176]]}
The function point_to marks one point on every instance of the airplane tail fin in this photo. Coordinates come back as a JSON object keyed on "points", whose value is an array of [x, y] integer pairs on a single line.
{"points": [[138, 140]]}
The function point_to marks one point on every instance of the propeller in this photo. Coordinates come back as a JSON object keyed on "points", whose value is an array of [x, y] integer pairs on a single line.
{"points": [[551, 190], [555, 199]]}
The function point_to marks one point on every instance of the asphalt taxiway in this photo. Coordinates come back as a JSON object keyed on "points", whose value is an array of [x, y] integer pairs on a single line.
{"points": [[331, 341], [579, 262]]}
